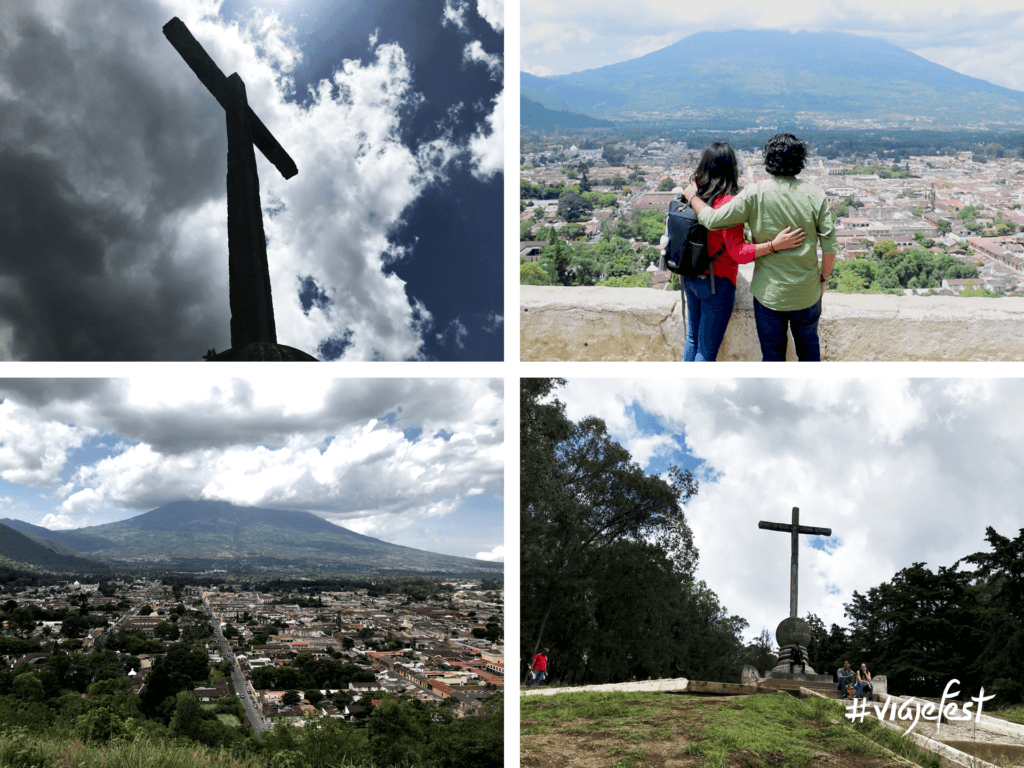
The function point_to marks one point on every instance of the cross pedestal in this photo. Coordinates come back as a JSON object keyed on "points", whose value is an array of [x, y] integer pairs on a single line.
{"points": [[794, 630]]}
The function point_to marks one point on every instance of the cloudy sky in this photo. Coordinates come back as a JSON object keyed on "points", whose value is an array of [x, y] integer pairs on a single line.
{"points": [[901, 471], [409, 461], [980, 39], [113, 233]]}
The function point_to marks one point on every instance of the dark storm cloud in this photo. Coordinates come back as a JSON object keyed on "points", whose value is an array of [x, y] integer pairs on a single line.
{"points": [[99, 145], [228, 414]]}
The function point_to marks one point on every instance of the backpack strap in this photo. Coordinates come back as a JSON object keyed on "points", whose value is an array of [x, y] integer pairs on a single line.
{"points": [[711, 269]]}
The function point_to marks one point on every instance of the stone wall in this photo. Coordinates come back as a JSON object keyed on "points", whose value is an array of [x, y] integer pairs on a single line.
{"points": [[622, 324]]}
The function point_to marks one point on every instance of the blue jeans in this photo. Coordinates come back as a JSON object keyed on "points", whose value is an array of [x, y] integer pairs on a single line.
{"points": [[771, 332], [863, 690], [707, 316], [538, 676]]}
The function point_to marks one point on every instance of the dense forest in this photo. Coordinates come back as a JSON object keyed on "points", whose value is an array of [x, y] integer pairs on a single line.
{"points": [[925, 627], [608, 560]]}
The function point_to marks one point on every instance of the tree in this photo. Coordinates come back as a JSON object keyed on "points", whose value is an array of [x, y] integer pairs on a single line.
{"points": [[1001, 594], [166, 631], [532, 273], [290, 698], [922, 628], [397, 733], [314, 696], [667, 184], [573, 207], [596, 534], [584, 177], [188, 716]]}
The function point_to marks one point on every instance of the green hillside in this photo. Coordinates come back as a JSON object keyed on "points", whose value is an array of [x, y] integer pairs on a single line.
{"points": [[18, 549]]}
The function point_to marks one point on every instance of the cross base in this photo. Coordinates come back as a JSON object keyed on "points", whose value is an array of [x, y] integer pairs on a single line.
{"points": [[798, 675], [260, 351]]}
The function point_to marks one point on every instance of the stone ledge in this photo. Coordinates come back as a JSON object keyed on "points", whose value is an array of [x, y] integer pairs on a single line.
{"points": [[640, 686], [626, 324]]}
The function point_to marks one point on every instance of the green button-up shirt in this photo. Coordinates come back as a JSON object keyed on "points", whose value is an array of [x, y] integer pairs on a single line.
{"points": [[788, 280]]}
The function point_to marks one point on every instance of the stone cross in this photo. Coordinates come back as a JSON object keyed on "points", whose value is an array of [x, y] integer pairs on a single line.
{"points": [[794, 529], [252, 308]]}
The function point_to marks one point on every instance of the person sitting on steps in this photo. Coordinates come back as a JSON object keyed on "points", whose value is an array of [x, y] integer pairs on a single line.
{"points": [[864, 686], [796, 656]]}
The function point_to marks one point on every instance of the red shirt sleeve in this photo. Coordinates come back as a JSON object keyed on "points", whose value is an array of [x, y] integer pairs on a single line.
{"points": [[735, 247]]}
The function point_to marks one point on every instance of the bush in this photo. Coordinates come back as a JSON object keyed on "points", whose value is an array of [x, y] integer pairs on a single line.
{"points": [[532, 273], [639, 280]]}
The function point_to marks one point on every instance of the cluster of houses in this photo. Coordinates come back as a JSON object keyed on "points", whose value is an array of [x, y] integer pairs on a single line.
{"points": [[422, 650], [923, 205]]}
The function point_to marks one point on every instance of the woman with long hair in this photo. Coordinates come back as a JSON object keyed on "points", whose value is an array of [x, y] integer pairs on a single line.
{"points": [[787, 287], [707, 312]]}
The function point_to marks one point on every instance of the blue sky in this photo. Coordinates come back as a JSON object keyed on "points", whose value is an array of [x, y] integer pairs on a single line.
{"points": [[410, 461], [980, 39], [901, 470], [385, 246]]}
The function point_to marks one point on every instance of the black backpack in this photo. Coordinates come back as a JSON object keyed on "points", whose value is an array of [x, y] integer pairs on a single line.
{"points": [[686, 252]]}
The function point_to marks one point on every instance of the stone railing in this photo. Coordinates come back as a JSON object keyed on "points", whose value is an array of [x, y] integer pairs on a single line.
{"points": [[623, 324]]}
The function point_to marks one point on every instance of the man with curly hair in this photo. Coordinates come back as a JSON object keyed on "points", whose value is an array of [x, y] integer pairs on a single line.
{"points": [[787, 285]]}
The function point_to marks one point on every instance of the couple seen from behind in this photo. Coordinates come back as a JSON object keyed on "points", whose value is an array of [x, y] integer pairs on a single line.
{"points": [[787, 219]]}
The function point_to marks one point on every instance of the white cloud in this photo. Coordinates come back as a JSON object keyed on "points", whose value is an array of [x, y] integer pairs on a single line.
{"points": [[34, 451], [59, 522], [455, 334], [474, 53], [496, 555], [902, 471], [455, 13], [494, 322], [493, 12], [79, 502], [487, 147], [376, 456]]}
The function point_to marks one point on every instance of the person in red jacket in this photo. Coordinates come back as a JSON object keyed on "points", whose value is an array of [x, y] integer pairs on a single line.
{"points": [[540, 666], [707, 313]]}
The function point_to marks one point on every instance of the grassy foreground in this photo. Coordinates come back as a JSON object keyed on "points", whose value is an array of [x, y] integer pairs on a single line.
{"points": [[638, 730], [21, 750]]}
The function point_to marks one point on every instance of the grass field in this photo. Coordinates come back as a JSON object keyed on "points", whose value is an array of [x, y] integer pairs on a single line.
{"points": [[1014, 713], [660, 730]]}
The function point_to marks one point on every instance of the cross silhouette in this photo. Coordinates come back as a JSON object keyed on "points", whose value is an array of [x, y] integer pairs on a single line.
{"points": [[252, 307], [794, 529]]}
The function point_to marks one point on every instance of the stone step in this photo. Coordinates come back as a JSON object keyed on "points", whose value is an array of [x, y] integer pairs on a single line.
{"points": [[770, 685]]}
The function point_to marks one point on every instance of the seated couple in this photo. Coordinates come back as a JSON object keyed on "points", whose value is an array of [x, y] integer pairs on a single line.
{"points": [[787, 219], [854, 684]]}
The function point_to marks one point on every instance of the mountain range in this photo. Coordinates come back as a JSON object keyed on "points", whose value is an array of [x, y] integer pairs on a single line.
{"points": [[213, 534], [776, 74]]}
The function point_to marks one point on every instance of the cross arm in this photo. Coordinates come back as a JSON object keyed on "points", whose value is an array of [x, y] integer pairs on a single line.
{"points": [[198, 59], [787, 528], [209, 74]]}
